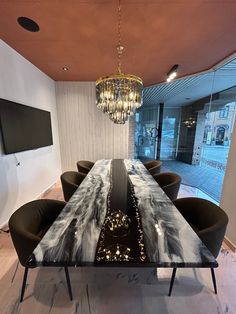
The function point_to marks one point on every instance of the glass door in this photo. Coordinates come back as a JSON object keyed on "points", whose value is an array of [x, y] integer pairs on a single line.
{"points": [[170, 133], [146, 133]]}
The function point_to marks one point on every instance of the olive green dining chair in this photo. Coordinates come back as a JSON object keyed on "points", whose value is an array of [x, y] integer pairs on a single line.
{"points": [[84, 166], [154, 166], [209, 221], [28, 225], [170, 183], [70, 181]]}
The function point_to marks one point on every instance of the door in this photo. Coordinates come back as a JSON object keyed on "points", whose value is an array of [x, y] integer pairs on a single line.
{"points": [[170, 133], [146, 133], [220, 134]]}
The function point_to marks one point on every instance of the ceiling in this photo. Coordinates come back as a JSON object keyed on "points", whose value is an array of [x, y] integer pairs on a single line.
{"points": [[82, 35]]}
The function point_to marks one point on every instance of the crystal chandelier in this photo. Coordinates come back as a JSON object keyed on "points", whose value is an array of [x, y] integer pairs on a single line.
{"points": [[118, 95], [190, 122]]}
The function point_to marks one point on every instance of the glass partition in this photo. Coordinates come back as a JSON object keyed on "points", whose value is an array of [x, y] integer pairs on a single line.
{"points": [[197, 126]]}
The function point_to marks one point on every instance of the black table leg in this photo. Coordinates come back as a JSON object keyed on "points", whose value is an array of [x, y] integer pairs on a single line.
{"points": [[68, 282], [172, 280], [24, 284], [214, 279]]}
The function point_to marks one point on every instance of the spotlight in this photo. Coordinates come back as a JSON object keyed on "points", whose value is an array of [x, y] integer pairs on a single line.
{"points": [[172, 73]]}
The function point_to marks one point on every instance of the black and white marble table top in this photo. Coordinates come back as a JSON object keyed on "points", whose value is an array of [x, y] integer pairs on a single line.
{"points": [[150, 230]]}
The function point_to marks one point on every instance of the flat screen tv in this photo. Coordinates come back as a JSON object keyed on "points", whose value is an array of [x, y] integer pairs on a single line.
{"points": [[23, 127]]}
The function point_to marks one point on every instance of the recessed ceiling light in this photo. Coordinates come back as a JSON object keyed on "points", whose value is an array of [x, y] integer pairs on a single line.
{"points": [[187, 98], [65, 68], [28, 24], [172, 73]]}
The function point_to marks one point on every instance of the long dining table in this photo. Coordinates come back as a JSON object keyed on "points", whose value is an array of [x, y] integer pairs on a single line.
{"points": [[119, 216]]}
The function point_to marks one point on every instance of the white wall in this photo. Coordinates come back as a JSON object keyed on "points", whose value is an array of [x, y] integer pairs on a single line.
{"points": [[228, 196], [22, 82], [86, 132]]}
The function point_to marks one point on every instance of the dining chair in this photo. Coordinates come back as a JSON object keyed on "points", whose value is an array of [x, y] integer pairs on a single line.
{"points": [[70, 181], [170, 183], [28, 225], [154, 166], [84, 166], [209, 222]]}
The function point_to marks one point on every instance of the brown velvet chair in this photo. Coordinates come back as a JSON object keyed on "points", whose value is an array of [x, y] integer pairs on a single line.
{"points": [[70, 181], [209, 221], [154, 166], [170, 183], [28, 225], [84, 166]]}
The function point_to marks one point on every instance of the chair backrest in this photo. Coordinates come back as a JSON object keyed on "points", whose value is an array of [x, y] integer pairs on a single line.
{"points": [[208, 220], [152, 163], [84, 166], [170, 183], [30, 222], [70, 181], [155, 170]]}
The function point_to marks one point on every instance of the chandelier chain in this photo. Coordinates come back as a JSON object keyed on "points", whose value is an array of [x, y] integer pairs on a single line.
{"points": [[119, 46]]}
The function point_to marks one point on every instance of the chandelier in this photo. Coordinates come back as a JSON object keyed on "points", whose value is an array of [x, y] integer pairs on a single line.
{"points": [[118, 95], [189, 122]]}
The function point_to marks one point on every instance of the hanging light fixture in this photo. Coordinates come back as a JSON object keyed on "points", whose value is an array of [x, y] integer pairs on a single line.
{"points": [[189, 122], [118, 95]]}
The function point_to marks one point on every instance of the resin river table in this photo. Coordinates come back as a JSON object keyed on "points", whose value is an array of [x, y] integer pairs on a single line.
{"points": [[119, 216]]}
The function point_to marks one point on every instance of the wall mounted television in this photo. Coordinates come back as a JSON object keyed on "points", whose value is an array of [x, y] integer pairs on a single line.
{"points": [[23, 127]]}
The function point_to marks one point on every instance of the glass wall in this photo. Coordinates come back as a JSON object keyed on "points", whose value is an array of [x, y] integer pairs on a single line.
{"points": [[217, 136], [197, 129]]}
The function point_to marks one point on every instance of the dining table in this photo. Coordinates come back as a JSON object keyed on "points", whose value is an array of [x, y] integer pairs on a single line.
{"points": [[120, 217]]}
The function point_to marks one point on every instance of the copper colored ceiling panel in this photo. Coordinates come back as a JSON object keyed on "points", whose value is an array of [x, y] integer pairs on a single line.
{"points": [[82, 35]]}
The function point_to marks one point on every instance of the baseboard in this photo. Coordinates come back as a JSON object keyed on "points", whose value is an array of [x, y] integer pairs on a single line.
{"points": [[5, 227], [230, 244], [47, 190]]}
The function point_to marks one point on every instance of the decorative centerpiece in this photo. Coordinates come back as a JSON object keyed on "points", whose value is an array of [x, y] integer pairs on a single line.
{"points": [[117, 224], [115, 253]]}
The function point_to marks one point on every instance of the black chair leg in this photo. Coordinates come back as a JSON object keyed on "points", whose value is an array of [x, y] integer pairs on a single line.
{"points": [[68, 282], [213, 279], [24, 284], [172, 281]]}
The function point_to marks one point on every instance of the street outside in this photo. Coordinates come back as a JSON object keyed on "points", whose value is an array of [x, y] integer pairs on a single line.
{"points": [[208, 176], [216, 153], [203, 177]]}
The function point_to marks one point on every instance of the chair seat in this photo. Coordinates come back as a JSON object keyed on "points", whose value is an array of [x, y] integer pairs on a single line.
{"points": [[43, 231]]}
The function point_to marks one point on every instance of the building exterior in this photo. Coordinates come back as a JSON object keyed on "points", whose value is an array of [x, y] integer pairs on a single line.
{"points": [[219, 126]]}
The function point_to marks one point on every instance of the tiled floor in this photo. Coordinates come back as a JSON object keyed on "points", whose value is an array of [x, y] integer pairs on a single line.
{"points": [[205, 178]]}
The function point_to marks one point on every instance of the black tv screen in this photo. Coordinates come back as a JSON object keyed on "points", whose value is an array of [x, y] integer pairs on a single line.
{"points": [[23, 127]]}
